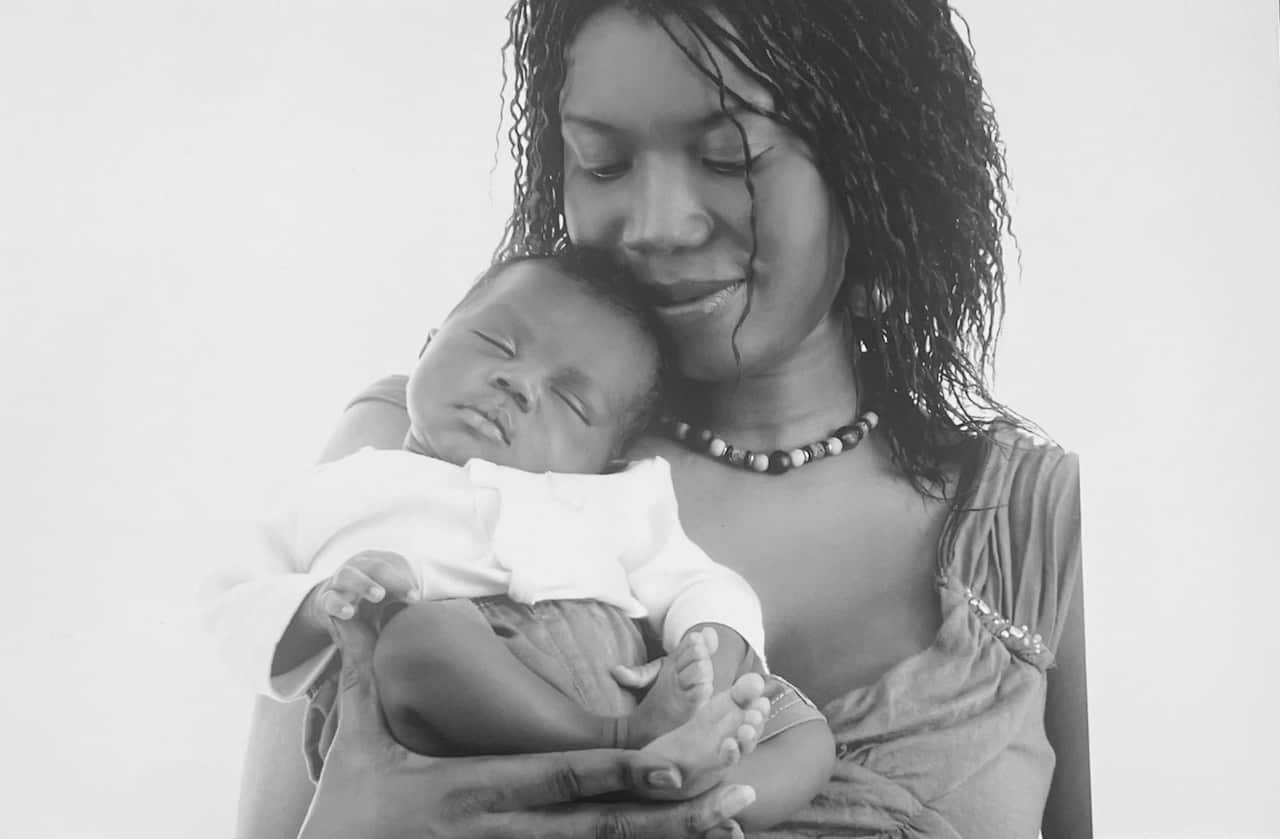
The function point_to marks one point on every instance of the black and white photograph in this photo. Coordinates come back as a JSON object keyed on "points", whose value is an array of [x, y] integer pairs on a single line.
{"points": [[640, 418]]}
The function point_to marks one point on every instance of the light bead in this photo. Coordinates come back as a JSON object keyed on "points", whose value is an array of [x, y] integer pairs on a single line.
{"points": [[841, 440]]}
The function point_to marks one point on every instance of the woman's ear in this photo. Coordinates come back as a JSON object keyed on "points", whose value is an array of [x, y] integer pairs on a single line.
{"points": [[427, 342]]}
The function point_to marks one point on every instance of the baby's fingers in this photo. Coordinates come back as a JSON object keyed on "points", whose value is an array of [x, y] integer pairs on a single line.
{"points": [[337, 604], [347, 588], [391, 572]]}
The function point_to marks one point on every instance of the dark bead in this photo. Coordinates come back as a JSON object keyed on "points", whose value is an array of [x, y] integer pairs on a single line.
{"points": [[815, 451], [779, 462], [738, 457], [704, 436]]}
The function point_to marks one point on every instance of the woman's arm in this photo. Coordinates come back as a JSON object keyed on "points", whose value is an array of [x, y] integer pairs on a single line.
{"points": [[1069, 811], [371, 422], [275, 789], [371, 787]]}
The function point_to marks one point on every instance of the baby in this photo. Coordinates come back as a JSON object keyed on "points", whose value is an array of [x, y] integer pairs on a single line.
{"points": [[505, 547]]}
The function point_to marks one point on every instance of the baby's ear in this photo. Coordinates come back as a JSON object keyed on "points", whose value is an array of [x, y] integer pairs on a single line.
{"points": [[427, 342]]}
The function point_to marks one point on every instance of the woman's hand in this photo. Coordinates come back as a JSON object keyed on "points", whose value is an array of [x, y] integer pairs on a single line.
{"points": [[372, 787]]}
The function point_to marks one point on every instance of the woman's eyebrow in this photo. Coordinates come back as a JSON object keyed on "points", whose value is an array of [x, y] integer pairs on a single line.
{"points": [[708, 121]]}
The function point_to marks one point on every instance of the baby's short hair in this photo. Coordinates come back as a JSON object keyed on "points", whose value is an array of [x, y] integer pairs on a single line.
{"points": [[613, 284]]}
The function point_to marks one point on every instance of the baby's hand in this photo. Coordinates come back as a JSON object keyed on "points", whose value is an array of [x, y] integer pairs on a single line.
{"points": [[370, 575]]}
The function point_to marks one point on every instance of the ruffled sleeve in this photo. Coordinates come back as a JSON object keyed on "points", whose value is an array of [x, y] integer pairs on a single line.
{"points": [[1015, 543], [677, 582]]}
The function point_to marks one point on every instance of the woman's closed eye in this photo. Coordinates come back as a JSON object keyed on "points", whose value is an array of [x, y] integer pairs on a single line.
{"points": [[507, 347], [606, 171], [731, 164]]}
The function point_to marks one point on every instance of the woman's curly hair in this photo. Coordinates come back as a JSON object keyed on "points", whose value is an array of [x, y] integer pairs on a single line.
{"points": [[887, 96]]}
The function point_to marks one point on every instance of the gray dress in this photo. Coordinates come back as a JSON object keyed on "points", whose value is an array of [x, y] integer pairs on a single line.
{"points": [[951, 742]]}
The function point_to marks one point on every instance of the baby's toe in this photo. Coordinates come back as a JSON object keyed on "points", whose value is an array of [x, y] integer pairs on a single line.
{"points": [[698, 679], [692, 648], [729, 753], [747, 689], [748, 737]]}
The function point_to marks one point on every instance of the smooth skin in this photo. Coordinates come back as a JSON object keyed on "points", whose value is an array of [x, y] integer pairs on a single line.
{"points": [[646, 176], [372, 787]]}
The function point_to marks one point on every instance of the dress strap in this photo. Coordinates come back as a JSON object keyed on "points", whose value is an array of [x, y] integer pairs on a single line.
{"points": [[1012, 544]]}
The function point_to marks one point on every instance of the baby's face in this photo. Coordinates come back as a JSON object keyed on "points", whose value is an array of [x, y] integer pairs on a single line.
{"points": [[535, 374]]}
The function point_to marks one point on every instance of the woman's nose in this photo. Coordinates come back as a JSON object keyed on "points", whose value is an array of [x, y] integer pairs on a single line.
{"points": [[518, 385], [666, 212]]}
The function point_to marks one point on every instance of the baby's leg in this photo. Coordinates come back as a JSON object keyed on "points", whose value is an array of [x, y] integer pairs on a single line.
{"points": [[448, 685]]}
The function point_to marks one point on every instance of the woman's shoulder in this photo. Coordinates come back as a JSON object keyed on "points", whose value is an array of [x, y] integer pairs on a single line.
{"points": [[1014, 533], [377, 417], [390, 389], [1009, 465]]}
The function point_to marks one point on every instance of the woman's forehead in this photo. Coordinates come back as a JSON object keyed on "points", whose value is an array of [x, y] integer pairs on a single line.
{"points": [[625, 71]]}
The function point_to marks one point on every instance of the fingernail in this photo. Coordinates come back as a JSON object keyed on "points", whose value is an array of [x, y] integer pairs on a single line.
{"points": [[663, 779], [377, 593], [737, 797]]}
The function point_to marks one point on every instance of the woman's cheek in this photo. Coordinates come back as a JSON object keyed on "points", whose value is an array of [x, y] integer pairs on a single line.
{"points": [[590, 218]]}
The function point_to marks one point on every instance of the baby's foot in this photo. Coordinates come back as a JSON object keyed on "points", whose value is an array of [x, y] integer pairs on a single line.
{"points": [[715, 737], [683, 685]]}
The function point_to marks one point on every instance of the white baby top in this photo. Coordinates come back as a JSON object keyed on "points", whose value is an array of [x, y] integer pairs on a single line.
{"points": [[473, 531]]}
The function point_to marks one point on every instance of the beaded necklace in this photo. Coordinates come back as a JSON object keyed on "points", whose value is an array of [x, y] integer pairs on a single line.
{"points": [[843, 439]]}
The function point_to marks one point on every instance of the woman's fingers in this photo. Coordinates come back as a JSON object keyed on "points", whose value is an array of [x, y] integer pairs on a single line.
{"points": [[360, 714], [685, 820], [543, 780], [725, 830]]}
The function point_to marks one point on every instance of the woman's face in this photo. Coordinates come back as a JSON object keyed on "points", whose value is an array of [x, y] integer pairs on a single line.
{"points": [[653, 170]]}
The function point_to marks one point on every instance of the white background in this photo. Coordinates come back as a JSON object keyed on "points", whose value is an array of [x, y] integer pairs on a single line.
{"points": [[219, 221]]}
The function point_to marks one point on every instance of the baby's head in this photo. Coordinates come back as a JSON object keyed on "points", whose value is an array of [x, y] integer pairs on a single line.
{"points": [[549, 364]]}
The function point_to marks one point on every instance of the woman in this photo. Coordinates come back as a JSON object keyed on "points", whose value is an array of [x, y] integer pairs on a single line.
{"points": [[814, 194]]}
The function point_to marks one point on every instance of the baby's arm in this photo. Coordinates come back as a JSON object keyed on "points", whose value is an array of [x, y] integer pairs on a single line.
{"points": [[787, 771], [369, 576], [796, 753], [270, 617]]}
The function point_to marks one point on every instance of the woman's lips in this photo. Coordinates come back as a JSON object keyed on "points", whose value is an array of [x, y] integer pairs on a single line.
{"points": [[697, 308]]}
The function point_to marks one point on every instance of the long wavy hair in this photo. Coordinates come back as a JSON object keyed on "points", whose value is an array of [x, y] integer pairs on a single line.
{"points": [[887, 96]]}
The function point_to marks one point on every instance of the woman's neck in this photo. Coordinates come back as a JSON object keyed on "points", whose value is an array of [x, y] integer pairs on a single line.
{"points": [[799, 399]]}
